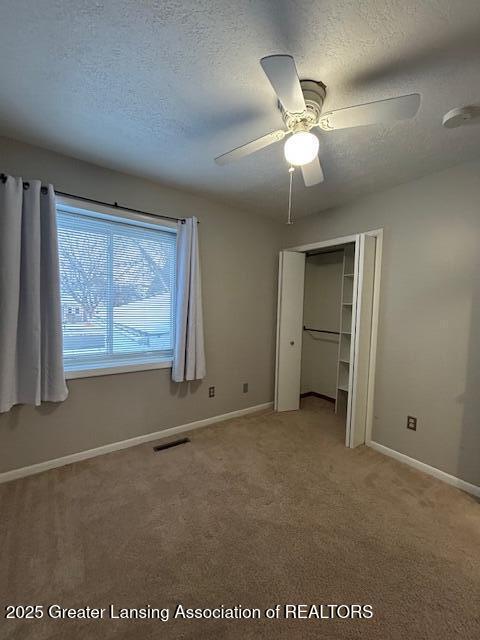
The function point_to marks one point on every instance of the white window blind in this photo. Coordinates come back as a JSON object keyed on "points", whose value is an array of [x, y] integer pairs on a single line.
{"points": [[117, 290]]}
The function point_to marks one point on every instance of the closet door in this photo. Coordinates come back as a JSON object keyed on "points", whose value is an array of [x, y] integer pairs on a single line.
{"points": [[363, 305], [289, 330]]}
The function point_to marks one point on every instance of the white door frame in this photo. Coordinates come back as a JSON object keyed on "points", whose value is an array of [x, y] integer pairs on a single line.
{"points": [[378, 234]]}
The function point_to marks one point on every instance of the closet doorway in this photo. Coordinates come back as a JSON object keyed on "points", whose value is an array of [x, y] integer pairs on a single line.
{"points": [[327, 319]]}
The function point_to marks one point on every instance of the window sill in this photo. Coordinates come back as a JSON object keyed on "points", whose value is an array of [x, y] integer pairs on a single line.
{"points": [[108, 371]]}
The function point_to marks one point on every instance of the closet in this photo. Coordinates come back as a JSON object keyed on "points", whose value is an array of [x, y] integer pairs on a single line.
{"points": [[327, 325], [326, 330], [321, 323]]}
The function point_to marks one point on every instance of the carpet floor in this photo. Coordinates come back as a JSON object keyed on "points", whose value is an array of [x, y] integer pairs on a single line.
{"points": [[263, 510]]}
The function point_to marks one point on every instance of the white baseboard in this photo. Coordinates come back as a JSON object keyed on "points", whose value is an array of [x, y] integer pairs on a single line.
{"points": [[426, 468], [14, 474]]}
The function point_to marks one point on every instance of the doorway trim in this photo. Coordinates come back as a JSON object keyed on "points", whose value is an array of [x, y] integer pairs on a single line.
{"points": [[378, 235]]}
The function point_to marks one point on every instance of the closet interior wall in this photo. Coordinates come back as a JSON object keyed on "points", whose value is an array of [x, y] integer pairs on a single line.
{"points": [[322, 304]]}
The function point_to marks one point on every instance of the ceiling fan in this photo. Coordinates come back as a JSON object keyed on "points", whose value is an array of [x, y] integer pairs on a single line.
{"points": [[300, 103]]}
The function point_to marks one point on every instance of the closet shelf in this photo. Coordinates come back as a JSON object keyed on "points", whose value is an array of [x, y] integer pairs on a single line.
{"points": [[347, 324]]}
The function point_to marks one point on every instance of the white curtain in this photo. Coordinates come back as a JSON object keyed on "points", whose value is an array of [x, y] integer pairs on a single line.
{"points": [[31, 364], [189, 352]]}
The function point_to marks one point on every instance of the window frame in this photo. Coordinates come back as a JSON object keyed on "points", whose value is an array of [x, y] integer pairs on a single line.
{"points": [[73, 205]]}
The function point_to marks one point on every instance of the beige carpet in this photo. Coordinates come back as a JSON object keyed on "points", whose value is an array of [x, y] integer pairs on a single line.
{"points": [[265, 509]]}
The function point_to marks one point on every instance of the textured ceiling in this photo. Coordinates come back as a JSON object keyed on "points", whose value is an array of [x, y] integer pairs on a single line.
{"points": [[159, 88]]}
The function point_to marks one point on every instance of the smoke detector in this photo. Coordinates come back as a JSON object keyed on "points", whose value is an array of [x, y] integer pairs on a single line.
{"points": [[459, 116]]}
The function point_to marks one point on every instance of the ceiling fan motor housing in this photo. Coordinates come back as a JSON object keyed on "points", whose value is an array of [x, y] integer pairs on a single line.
{"points": [[314, 94]]}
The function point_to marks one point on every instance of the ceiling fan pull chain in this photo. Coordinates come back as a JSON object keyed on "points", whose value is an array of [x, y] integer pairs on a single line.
{"points": [[289, 219]]}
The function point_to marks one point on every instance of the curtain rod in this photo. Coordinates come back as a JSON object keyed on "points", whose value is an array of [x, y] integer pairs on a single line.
{"points": [[114, 205]]}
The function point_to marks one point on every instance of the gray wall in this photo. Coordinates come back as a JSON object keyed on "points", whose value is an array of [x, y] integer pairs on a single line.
{"points": [[239, 263], [429, 337], [428, 361], [321, 309]]}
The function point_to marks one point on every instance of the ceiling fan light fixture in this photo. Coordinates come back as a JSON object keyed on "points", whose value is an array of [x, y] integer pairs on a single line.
{"points": [[301, 148]]}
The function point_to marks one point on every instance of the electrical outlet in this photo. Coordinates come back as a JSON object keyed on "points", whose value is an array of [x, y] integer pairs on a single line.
{"points": [[245, 387], [211, 392], [411, 423]]}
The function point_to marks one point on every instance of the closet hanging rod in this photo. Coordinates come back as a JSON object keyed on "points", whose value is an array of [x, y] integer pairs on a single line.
{"points": [[335, 333]]}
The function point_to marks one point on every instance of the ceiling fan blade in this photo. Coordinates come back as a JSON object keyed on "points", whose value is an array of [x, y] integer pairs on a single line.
{"points": [[381, 111], [251, 147], [283, 76], [312, 172]]}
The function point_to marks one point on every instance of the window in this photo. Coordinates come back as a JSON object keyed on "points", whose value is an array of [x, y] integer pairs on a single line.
{"points": [[117, 291]]}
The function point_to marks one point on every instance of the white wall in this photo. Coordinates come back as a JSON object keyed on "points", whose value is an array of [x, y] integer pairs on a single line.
{"points": [[321, 309], [239, 254], [428, 361]]}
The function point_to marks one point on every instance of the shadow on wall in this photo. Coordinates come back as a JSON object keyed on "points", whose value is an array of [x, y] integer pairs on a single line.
{"points": [[469, 454], [182, 389], [10, 420]]}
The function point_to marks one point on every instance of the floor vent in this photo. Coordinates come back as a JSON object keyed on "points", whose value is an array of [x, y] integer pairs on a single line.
{"points": [[169, 445]]}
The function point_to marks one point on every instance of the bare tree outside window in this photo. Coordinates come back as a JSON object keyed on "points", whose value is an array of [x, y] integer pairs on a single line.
{"points": [[117, 283], [83, 270]]}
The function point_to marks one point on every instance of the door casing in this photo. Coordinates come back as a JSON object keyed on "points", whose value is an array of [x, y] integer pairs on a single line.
{"points": [[352, 439]]}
